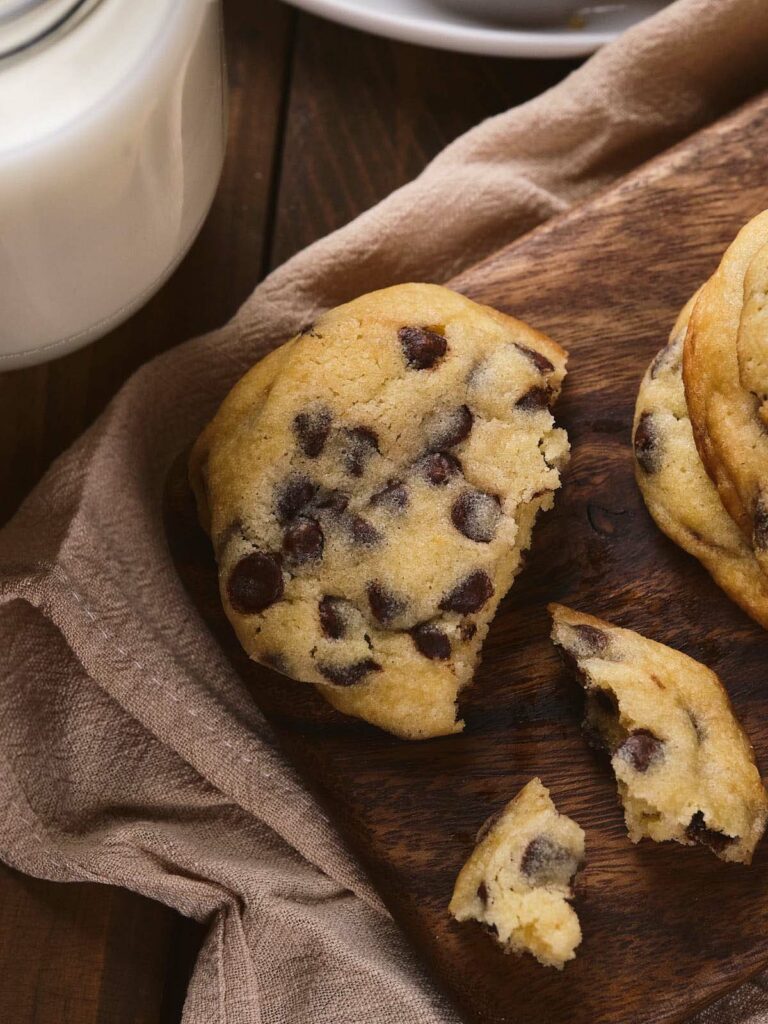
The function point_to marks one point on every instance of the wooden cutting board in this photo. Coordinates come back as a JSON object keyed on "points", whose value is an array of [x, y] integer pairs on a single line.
{"points": [[666, 928]]}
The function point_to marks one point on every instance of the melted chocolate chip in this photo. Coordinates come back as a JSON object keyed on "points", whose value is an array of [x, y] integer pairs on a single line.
{"points": [[255, 583], [641, 749], [334, 617], [311, 429], [534, 399], [333, 501], [439, 467], [546, 862], [385, 604], [294, 496], [699, 833], [542, 364], [393, 497], [592, 641], [349, 675], [422, 348], [467, 630], [482, 893], [760, 528], [476, 515], [361, 532], [469, 595], [647, 444], [303, 541], [360, 445], [432, 642], [449, 427]]}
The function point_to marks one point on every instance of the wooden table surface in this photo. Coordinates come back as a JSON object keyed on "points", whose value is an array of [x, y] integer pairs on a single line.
{"points": [[323, 123]]}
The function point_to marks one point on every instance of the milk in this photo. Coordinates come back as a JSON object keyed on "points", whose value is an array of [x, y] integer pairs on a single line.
{"points": [[111, 146]]}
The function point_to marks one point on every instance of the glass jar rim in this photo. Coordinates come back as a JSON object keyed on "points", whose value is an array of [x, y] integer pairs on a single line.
{"points": [[24, 24]]}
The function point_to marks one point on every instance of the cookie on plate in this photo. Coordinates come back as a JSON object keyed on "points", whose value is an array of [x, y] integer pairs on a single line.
{"points": [[684, 766], [519, 878], [370, 489], [730, 434], [676, 488]]}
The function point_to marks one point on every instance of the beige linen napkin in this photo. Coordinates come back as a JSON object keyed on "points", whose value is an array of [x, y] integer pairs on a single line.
{"points": [[129, 753]]}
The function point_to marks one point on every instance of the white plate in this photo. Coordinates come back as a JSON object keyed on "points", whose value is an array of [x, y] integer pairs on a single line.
{"points": [[434, 23]]}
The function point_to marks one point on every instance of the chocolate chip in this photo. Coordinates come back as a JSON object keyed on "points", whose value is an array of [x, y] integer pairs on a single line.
{"points": [[482, 893], [699, 833], [311, 429], [333, 501], [294, 496], [546, 862], [385, 604], [303, 541], [591, 639], [760, 528], [647, 444], [393, 497], [334, 617], [439, 467], [360, 445], [349, 675], [255, 583], [361, 532], [432, 642], [542, 364], [448, 428], [476, 515], [534, 399], [469, 595], [641, 749], [422, 348], [467, 630]]}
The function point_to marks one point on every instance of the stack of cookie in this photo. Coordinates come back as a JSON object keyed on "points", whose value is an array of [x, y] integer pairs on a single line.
{"points": [[701, 425]]}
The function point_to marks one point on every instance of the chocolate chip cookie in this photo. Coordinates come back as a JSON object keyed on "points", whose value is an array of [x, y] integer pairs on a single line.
{"points": [[518, 879], [679, 494], [370, 488], [730, 434], [684, 766]]}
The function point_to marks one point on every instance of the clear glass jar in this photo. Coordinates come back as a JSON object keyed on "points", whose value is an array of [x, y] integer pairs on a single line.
{"points": [[112, 131]]}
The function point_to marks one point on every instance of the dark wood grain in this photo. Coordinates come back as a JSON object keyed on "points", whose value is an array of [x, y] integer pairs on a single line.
{"points": [[667, 928], [366, 114], [75, 953]]}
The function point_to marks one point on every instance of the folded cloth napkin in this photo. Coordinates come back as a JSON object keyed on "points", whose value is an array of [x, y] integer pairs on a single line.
{"points": [[129, 753]]}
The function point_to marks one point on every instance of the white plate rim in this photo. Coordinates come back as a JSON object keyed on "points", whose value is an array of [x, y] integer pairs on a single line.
{"points": [[493, 42]]}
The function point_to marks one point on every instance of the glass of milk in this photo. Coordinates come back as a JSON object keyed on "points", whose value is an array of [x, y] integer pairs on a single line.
{"points": [[112, 130]]}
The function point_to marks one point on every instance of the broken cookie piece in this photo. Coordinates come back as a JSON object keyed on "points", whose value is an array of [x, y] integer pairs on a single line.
{"points": [[518, 880], [684, 766], [370, 489]]}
